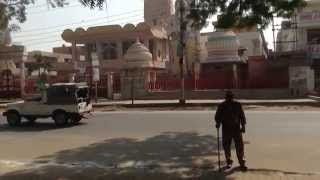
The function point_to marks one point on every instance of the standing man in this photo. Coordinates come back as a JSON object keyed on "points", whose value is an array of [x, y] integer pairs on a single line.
{"points": [[232, 118]]}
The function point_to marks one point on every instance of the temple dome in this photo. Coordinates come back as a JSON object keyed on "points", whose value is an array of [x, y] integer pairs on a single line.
{"points": [[138, 56], [223, 40], [223, 46], [8, 65]]}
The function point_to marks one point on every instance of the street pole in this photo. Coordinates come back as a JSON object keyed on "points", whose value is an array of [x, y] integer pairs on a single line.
{"points": [[7, 78], [182, 46], [22, 74], [91, 69], [132, 91], [274, 40], [96, 91]]}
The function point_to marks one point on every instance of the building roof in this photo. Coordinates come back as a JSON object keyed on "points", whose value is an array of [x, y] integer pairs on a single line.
{"points": [[114, 32]]}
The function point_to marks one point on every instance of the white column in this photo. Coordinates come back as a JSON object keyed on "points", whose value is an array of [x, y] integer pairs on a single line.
{"points": [[110, 85]]}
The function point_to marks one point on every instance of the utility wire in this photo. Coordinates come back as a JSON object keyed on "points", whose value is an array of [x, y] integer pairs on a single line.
{"points": [[40, 39], [61, 30], [78, 22]]}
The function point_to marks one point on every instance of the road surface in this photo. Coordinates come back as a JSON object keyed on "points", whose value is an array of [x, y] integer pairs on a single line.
{"points": [[285, 141]]}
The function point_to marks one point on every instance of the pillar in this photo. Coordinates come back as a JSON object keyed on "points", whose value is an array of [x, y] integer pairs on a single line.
{"points": [[22, 74], [119, 50], [74, 61], [235, 76], [155, 50], [146, 43], [99, 50]]}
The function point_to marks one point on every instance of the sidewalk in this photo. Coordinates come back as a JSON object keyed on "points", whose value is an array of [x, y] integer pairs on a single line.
{"points": [[313, 101], [197, 103]]}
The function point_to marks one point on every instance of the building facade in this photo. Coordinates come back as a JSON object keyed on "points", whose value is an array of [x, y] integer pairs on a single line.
{"points": [[301, 34], [111, 44]]}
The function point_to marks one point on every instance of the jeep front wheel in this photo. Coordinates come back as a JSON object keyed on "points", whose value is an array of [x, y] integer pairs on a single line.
{"points": [[13, 118], [60, 118], [75, 119]]}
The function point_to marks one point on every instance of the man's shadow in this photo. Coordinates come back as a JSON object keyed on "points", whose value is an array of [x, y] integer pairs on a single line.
{"points": [[167, 156]]}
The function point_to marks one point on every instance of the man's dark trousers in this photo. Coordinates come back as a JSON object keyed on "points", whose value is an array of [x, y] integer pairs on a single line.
{"points": [[229, 134]]}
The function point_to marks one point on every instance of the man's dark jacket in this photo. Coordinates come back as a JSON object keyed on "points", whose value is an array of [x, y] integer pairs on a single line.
{"points": [[230, 114]]}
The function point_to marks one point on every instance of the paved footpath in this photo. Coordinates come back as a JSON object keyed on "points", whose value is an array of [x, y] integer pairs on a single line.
{"points": [[264, 175]]}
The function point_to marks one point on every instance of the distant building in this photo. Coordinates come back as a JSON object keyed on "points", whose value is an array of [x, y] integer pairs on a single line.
{"points": [[301, 35], [11, 66]]}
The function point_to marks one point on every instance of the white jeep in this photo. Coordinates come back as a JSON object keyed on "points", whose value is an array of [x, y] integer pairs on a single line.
{"points": [[64, 102]]}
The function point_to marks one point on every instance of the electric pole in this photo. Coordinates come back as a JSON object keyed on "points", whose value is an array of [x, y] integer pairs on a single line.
{"points": [[182, 46]]}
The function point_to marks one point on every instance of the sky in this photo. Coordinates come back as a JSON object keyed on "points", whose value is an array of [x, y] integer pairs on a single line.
{"points": [[44, 25]]}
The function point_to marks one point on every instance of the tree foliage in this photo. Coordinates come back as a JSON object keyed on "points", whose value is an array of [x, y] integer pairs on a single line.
{"points": [[40, 63], [11, 10], [242, 13]]}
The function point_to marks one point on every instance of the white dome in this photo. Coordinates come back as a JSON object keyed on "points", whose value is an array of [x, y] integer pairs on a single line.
{"points": [[7, 65], [138, 52], [223, 40], [223, 46], [138, 56]]}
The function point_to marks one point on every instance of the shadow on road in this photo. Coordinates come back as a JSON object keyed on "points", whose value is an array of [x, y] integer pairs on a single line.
{"points": [[36, 127], [168, 156]]}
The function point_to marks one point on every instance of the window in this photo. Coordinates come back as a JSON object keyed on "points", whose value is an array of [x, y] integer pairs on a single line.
{"points": [[109, 51], [126, 45], [314, 36]]}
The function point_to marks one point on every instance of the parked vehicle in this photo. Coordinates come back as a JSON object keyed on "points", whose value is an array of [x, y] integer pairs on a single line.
{"points": [[64, 102]]}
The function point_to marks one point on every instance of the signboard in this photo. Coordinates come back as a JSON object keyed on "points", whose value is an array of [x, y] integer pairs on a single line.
{"points": [[96, 74], [95, 67], [309, 19]]}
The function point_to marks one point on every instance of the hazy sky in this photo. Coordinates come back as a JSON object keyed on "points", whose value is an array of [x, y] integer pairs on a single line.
{"points": [[44, 26]]}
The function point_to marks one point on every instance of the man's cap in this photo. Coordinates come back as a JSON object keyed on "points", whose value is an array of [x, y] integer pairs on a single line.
{"points": [[229, 94]]}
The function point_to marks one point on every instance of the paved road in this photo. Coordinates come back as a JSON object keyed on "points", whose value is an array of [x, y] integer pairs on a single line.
{"points": [[285, 141]]}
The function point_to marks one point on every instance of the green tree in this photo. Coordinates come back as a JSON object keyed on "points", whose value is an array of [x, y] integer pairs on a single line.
{"points": [[17, 10], [242, 13], [40, 64]]}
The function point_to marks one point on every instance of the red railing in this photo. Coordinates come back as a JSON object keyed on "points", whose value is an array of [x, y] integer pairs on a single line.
{"points": [[212, 82]]}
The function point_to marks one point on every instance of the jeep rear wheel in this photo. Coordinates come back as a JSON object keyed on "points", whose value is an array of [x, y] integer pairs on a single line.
{"points": [[60, 118], [13, 118]]}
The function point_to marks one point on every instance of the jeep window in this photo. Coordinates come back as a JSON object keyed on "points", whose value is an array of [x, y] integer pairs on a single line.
{"points": [[82, 94], [62, 95]]}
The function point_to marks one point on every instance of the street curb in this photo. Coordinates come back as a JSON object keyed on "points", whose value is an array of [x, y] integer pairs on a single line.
{"points": [[159, 105], [163, 105]]}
